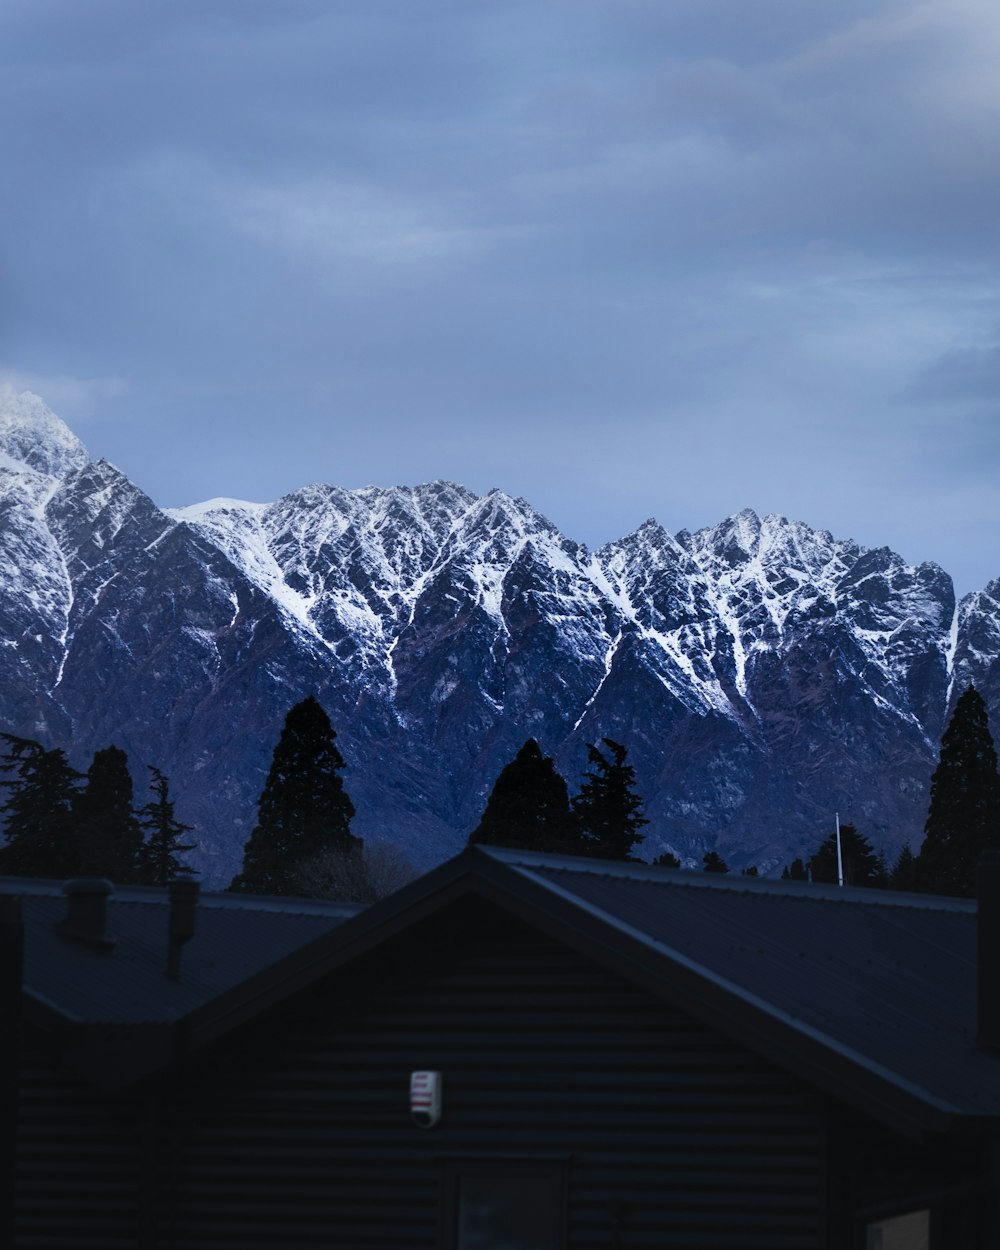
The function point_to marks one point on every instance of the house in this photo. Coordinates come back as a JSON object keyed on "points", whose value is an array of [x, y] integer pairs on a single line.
{"points": [[519, 1051]]}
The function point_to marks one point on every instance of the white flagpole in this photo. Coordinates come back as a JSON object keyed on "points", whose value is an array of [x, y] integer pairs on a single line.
{"points": [[840, 858]]}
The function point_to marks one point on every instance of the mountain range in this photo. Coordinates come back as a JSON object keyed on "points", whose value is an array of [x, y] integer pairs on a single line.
{"points": [[763, 675]]}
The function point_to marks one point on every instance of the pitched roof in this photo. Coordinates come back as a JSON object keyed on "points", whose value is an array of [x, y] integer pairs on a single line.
{"points": [[237, 938], [879, 988], [869, 994]]}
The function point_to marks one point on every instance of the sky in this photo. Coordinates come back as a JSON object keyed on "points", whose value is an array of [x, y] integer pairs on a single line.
{"points": [[625, 258]]}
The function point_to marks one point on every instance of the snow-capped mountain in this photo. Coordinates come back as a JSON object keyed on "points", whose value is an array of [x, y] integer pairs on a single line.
{"points": [[762, 674]]}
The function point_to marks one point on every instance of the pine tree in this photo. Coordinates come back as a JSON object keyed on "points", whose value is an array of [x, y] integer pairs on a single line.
{"points": [[303, 808], [158, 858], [528, 807], [712, 861], [904, 871], [107, 829], [607, 808], [964, 814], [862, 865], [37, 811]]}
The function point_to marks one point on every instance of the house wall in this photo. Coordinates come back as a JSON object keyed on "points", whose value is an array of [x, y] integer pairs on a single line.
{"points": [[294, 1131], [79, 1176], [668, 1133]]}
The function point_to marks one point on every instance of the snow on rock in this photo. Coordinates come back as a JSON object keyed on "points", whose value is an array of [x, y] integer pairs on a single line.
{"points": [[761, 673], [32, 435]]}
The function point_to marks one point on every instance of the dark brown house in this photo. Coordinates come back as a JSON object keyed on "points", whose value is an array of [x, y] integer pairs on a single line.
{"points": [[626, 1057]]}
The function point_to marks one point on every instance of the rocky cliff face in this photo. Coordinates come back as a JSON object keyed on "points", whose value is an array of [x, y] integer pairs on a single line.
{"points": [[762, 674]]}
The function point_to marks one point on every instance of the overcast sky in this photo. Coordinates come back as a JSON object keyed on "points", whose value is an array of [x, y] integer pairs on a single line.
{"points": [[626, 258]]}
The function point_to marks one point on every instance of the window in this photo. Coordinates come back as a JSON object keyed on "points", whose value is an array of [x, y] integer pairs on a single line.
{"points": [[901, 1232], [504, 1205]]}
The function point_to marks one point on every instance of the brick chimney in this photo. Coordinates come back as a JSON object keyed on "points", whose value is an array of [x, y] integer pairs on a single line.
{"points": [[86, 912], [988, 989]]}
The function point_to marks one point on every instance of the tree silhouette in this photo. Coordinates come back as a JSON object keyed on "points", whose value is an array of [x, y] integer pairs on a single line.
{"points": [[607, 807], [303, 808], [904, 871], [107, 829], [712, 861], [528, 807], [964, 814], [37, 810], [158, 857], [862, 865], [795, 871], [666, 860]]}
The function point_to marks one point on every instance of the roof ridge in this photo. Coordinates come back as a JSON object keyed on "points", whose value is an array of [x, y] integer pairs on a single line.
{"points": [[635, 870]]}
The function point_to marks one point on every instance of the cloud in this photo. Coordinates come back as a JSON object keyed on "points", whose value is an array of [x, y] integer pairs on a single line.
{"points": [[625, 256], [74, 399]]}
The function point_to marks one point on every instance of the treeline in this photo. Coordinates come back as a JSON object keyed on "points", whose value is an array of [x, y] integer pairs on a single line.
{"points": [[60, 823], [302, 842], [963, 820], [530, 809]]}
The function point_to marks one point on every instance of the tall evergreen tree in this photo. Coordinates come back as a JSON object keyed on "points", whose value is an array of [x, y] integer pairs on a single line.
{"points": [[37, 810], [862, 864], [528, 807], [712, 861], [159, 860], [607, 807], [303, 808], [964, 814], [107, 829]]}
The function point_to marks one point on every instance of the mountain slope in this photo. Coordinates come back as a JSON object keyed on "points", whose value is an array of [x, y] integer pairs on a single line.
{"points": [[762, 674]]}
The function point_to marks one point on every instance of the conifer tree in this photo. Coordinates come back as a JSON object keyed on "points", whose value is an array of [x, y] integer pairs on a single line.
{"points": [[303, 808], [158, 857], [964, 814], [107, 829], [712, 861], [862, 865], [528, 807], [607, 807], [904, 871], [795, 871], [37, 811]]}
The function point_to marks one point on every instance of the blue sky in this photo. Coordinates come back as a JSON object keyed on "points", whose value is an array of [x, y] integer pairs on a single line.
{"points": [[626, 258]]}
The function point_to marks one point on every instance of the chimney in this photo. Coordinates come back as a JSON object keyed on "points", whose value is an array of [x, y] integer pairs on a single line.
{"points": [[988, 894], [86, 912], [183, 900]]}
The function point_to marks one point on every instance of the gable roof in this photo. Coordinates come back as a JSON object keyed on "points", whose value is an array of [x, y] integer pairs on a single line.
{"points": [[871, 995], [130, 1016]]}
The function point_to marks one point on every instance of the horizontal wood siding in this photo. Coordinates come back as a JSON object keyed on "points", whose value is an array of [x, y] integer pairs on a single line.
{"points": [[78, 1169], [671, 1134]]}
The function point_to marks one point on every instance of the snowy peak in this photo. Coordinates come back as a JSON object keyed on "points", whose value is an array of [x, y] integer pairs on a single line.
{"points": [[32, 435], [762, 673]]}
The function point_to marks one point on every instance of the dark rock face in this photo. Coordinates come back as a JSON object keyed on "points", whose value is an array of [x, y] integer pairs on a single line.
{"points": [[763, 675]]}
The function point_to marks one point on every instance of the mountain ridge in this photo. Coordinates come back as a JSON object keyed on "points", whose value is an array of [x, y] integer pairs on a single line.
{"points": [[763, 674]]}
